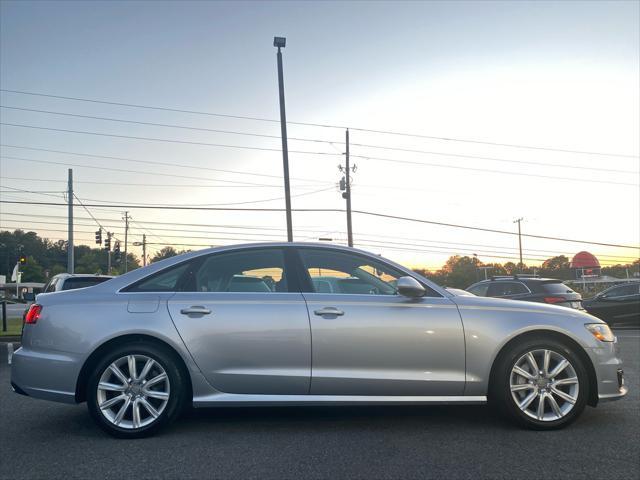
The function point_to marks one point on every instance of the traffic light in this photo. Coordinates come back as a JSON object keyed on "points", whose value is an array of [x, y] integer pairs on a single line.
{"points": [[22, 259], [116, 251], [99, 237], [107, 243]]}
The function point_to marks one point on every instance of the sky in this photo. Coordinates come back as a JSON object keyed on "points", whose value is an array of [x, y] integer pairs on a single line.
{"points": [[562, 75]]}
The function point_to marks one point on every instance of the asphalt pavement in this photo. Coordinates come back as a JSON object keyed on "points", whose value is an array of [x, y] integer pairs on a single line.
{"points": [[47, 440]]}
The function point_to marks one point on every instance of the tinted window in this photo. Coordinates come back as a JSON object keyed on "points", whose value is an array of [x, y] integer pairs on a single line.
{"points": [[259, 271], [342, 273], [82, 282], [556, 288], [503, 289], [623, 291], [164, 281], [479, 289]]}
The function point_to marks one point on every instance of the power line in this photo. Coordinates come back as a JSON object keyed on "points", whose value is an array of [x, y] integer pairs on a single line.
{"points": [[367, 237], [336, 210], [495, 144], [166, 140], [315, 140], [342, 127], [486, 170], [111, 169], [154, 162], [167, 125], [493, 159], [247, 202], [173, 185], [505, 232]]}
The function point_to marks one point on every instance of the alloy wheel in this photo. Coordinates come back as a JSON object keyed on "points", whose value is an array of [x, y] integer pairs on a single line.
{"points": [[133, 391], [544, 385]]}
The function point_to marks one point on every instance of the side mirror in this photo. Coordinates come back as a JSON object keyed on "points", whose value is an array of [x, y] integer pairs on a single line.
{"points": [[29, 296], [410, 287]]}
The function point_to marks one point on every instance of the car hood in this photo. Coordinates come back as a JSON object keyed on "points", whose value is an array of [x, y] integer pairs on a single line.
{"points": [[523, 306]]}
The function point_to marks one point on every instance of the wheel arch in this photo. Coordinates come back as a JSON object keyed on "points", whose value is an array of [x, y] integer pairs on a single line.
{"points": [[90, 362], [561, 337]]}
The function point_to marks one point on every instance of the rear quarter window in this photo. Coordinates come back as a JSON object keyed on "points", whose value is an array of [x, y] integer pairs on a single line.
{"points": [[556, 287]]}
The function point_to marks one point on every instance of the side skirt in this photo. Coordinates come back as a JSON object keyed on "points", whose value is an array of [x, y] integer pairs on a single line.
{"points": [[241, 400]]}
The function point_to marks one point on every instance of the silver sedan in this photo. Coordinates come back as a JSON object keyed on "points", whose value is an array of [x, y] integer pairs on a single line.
{"points": [[302, 324]]}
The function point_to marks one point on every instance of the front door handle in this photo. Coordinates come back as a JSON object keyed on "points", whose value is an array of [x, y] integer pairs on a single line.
{"points": [[329, 311], [195, 310]]}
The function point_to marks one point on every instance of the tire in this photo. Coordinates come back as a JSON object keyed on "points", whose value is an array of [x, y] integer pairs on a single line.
{"points": [[157, 391], [567, 388]]}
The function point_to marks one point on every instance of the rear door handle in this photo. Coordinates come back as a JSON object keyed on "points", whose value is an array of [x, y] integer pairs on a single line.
{"points": [[195, 310], [329, 311]]}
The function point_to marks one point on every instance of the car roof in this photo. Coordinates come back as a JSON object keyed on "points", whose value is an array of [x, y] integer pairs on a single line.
{"points": [[81, 275], [521, 279]]}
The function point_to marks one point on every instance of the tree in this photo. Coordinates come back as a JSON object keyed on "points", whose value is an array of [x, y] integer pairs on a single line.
{"points": [[165, 252], [32, 271]]}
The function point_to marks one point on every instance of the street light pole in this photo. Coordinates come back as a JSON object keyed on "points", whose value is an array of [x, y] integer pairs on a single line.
{"points": [[281, 42]]}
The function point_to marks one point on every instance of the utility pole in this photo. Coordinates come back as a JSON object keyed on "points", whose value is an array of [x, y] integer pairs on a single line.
{"points": [[70, 214], [348, 191], [143, 244], [281, 42], [108, 248], [126, 219], [518, 220]]}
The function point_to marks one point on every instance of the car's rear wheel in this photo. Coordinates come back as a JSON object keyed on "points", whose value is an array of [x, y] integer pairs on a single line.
{"points": [[135, 389], [540, 383]]}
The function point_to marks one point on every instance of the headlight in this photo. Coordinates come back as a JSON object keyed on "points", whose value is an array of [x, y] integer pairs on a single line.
{"points": [[601, 331]]}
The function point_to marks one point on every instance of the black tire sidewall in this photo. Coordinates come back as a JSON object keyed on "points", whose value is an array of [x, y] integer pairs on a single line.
{"points": [[176, 398], [501, 392]]}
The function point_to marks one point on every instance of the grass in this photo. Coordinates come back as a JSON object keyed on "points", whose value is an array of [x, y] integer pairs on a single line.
{"points": [[14, 327]]}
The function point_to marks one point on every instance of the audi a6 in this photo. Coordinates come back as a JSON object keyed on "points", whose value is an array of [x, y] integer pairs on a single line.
{"points": [[305, 324]]}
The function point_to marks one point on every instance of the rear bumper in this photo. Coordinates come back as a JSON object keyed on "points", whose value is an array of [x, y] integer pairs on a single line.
{"points": [[49, 376]]}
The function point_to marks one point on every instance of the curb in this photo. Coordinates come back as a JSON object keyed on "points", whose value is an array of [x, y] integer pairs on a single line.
{"points": [[10, 338]]}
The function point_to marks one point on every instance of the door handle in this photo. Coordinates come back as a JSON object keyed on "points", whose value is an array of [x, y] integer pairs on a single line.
{"points": [[329, 311], [195, 310]]}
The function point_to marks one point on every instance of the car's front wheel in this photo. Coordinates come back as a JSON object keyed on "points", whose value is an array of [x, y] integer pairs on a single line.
{"points": [[135, 389], [540, 383]]}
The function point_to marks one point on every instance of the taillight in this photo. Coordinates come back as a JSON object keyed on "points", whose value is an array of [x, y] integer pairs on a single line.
{"points": [[554, 299], [33, 315]]}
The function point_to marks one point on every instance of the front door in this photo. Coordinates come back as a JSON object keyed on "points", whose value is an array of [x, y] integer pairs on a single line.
{"points": [[368, 340], [245, 330]]}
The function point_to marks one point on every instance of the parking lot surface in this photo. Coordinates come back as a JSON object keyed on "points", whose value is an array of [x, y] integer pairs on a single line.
{"points": [[47, 440]]}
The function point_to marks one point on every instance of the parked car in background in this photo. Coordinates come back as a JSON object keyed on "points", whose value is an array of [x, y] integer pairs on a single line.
{"points": [[305, 324], [619, 306], [529, 289]]}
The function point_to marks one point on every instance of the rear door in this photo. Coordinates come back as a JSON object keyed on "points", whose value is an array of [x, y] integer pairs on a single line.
{"points": [[368, 340], [244, 323]]}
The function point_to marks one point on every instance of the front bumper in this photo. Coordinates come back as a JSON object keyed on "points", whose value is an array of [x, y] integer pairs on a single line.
{"points": [[609, 373]]}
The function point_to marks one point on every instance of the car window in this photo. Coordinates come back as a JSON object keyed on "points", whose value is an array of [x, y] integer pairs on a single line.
{"points": [[623, 291], [81, 282], [257, 271], [163, 281], [342, 273], [503, 289], [556, 287], [480, 289], [51, 287]]}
